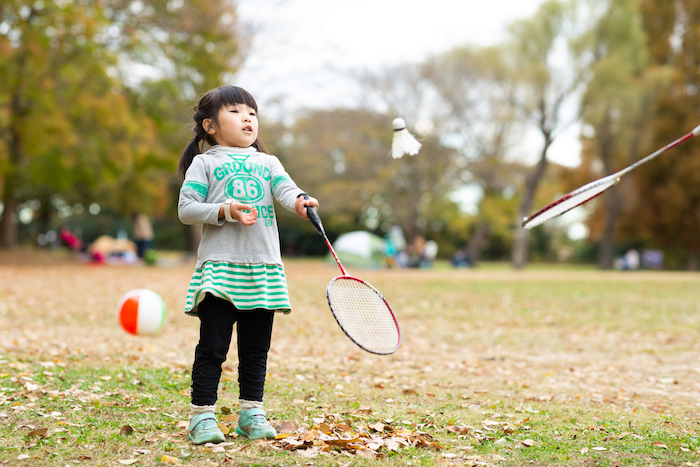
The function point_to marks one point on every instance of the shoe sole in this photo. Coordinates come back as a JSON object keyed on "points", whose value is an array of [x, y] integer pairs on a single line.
{"points": [[213, 439], [243, 433]]}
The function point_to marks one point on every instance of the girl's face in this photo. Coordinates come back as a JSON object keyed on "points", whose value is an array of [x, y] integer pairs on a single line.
{"points": [[237, 127]]}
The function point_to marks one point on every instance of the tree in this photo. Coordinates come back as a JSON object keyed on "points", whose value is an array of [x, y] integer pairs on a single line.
{"points": [[342, 158], [558, 29], [420, 185], [477, 90], [73, 117], [618, 105], [667, 212]]}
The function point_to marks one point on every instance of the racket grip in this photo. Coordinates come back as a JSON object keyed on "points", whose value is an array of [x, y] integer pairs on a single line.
{"points": [[313, 216]]}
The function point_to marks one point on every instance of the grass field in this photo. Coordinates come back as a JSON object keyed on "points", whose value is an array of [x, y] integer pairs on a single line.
{"points": [[557, 366]]}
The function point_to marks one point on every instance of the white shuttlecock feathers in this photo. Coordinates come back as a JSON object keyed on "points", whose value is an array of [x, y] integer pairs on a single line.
{"points": [[404, 142]]}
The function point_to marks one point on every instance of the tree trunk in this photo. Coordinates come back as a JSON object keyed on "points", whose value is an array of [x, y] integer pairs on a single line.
{"points": [[520, 246], [614, 197], [522, 236], [8, 231], [18, 111], [606, 146], [479, 241], [607, 241]]}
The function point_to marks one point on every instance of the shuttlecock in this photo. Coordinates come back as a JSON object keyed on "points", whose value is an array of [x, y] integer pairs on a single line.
{"points": [[404, 142]]}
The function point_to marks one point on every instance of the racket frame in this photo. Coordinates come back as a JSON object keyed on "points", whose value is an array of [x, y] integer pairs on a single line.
{"points": [[335, 316], [316, 221], [529, 223]]}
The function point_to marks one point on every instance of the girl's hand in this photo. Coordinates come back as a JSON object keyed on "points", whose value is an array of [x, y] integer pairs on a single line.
{"points": [[245, 218], [238, 212], [300, 206]]}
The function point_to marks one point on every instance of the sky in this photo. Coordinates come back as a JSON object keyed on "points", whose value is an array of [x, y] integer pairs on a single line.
{"points": [[303, 50], [305, 53]]}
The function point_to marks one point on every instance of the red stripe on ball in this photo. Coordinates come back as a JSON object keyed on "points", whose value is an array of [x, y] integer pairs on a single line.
{"points": [[129, 314]]}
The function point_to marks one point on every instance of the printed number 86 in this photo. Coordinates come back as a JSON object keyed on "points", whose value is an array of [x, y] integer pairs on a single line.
{"points": [[245, 190]]}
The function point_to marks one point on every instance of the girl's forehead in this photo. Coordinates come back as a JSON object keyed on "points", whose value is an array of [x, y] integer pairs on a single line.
{"points": [[228, 105]]}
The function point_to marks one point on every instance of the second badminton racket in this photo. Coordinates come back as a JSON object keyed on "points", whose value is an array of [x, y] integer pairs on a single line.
{"points": [[587, 192]]}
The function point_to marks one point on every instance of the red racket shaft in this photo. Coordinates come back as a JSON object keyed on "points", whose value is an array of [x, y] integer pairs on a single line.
{"points": [[695, 132], [316, 221]]}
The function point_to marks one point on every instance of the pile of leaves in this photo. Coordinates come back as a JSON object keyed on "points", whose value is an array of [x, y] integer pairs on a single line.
{"points": [[352, 434]]}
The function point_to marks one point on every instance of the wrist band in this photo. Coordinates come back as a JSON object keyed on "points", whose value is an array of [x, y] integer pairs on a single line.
{"points": [[227, 211]]}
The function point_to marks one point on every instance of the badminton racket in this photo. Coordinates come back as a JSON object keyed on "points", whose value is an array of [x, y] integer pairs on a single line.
{"points": [[587, 192], [361, 310]]}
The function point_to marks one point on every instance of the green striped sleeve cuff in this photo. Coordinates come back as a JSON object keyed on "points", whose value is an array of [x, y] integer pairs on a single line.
{"points": [[197, 187]]}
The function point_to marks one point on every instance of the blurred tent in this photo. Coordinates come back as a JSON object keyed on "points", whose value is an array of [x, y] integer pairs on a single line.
{"points": [[360, 249]]}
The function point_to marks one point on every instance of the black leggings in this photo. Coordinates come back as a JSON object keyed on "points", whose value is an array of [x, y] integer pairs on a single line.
{"points": [[217, 317]]}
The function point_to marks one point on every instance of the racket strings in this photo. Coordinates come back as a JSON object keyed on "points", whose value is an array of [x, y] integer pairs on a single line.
{"points": [[363, 315]]}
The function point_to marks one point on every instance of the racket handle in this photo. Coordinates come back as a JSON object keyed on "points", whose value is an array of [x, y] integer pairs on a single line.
{"points": [[313, 216]]}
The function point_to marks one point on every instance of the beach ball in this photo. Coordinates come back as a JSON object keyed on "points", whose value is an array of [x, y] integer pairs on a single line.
{"points": [[141, 311]]}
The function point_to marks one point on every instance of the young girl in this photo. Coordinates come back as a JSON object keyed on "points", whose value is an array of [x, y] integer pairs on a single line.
{"points": [[239, 276]]}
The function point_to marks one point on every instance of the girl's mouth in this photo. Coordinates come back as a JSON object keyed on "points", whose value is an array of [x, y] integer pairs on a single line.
{"points": [[248, 128]]}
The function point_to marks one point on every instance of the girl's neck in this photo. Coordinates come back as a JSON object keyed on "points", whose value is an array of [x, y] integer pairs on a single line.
{"points": [[231, 147]]}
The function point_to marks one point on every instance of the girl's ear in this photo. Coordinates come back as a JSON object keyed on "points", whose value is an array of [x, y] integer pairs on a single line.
{"points": [[208, 127]]}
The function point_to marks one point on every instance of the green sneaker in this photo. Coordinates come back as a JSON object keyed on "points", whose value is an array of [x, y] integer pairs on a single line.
{"points": [[203, 429], [253, 424]]}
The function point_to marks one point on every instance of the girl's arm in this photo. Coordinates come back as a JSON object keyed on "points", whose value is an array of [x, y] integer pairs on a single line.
{"points": [[286, 192], [192, 206]]}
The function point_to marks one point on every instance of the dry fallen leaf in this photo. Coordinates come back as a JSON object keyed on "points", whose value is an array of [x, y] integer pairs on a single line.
{"points": [[286, 427], [126, 430], [461, 430], [128, 461], [40, 432], [224, 429], [379, 426], [659, 444], [528, 442]]}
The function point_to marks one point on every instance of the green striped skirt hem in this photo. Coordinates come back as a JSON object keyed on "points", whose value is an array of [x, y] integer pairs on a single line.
{"points": [[246, 286]]}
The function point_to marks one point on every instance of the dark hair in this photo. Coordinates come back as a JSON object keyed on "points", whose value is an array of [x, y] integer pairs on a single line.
{"points": [[208, 107]]}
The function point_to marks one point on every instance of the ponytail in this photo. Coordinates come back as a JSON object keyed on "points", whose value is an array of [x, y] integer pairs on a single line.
{"points": [[194, 147], [191, 150]]}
